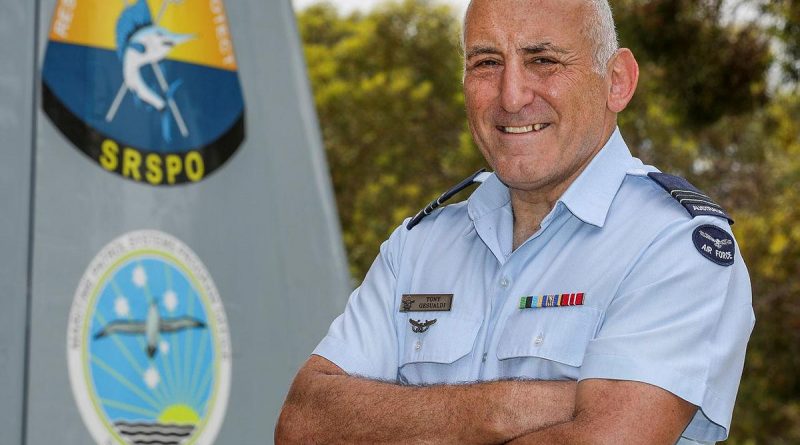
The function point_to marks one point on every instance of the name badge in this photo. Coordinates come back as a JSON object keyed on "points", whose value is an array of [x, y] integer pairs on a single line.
{"points": [[426, 302]]}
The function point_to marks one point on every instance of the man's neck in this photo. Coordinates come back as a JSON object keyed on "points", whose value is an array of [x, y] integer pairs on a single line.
{"points": [[529, 211], [531, 206]]}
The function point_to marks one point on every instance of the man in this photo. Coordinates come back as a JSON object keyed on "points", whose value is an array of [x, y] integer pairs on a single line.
{"points": [[578, 296]]}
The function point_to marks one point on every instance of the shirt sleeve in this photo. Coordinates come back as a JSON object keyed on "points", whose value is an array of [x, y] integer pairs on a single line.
{"points": [[680, 322], [363, 340]]}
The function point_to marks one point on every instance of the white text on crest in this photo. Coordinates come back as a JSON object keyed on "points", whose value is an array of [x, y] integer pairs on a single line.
{"points": [[64, 16]]}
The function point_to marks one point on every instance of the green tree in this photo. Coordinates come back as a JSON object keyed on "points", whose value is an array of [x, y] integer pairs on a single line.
{"points": [[387, 87], [768, 407], [785, 25]]}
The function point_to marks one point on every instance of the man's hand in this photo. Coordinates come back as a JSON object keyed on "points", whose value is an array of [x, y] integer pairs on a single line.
{"points": [[325, 405], [619, 412]]}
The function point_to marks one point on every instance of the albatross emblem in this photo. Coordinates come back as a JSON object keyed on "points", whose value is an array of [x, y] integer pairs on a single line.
{"points": [[718, 243], [419, 326], [151, 328]]}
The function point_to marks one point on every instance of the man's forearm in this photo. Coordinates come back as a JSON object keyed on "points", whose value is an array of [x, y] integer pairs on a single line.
{"points": [[335, 408], [619, 413]]}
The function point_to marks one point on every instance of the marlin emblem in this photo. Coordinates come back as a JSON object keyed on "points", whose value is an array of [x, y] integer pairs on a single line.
{"points": [[719, 243], [419, 327], [152, 327], [141, 43]]}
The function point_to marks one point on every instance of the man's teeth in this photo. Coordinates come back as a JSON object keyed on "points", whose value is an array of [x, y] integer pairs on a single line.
{"points": [[517, 130], [528, 129]]}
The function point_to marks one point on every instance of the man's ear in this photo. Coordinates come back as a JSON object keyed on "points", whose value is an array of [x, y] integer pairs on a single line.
{"points": [[623, 71]]}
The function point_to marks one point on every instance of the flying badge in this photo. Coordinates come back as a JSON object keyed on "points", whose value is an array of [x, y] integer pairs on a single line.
{"points": [[555, 300], [426, 302], [715, 244], [420, 326]]}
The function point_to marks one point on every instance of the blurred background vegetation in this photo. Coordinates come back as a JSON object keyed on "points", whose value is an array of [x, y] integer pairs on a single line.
{"points": [[718, 103]]}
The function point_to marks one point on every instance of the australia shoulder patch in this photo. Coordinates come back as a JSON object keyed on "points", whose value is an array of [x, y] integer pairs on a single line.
{"points": [[715, 244]]}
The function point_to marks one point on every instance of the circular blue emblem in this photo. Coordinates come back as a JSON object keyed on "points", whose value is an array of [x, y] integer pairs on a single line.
{"points": [[715, 244], [148, 344]]}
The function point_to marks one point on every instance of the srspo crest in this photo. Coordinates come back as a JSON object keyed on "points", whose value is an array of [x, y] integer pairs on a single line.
{"points": [[146, 88], [147, 345]]}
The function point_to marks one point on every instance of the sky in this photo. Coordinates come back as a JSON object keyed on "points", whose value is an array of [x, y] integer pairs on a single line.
{"points": [[365, 5]]}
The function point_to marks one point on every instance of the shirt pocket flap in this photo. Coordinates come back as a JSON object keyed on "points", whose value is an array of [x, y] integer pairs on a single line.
{"points": [[446, 341], [561, 337]]}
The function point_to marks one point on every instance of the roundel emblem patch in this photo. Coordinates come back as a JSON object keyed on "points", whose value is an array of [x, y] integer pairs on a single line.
{"points": [[148, 89], [715, 244], [147, 345]]}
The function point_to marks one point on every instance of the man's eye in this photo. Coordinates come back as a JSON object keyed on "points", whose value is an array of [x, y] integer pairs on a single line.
{"points": [[543, 61], [486, 63]]}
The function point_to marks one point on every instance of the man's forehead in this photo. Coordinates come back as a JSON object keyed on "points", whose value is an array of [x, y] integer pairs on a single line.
{"points": [[526, 21], [510, 6]]}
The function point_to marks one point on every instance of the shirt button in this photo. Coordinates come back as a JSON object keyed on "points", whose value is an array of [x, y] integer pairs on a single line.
{"points": [[504, 282], [538, 340], [417, 345], [484, 357]]}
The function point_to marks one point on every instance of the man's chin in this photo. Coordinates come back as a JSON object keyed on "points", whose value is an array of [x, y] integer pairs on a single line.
{"points": [[521, 181]]}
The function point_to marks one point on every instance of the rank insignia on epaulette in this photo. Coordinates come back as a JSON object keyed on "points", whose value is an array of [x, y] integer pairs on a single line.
{"points": [[555, 300], [692, 199]]}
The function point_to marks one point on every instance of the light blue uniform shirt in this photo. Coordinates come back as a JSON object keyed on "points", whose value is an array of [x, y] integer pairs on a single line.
{"points": [[655, 310]]}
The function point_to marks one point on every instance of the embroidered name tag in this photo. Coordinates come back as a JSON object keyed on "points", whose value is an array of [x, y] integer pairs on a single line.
{"points": [[551, 301], [426, 302]]}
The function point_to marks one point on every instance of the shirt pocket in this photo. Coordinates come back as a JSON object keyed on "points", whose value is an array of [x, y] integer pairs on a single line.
{"points": [[441, 354], [546, 343]]}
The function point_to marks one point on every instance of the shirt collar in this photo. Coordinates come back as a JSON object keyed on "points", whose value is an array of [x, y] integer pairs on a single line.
{"points": [[490, 196], [589, 197]]}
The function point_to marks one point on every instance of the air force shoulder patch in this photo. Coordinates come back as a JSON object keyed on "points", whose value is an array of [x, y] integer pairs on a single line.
{"points": [[715, 244]]}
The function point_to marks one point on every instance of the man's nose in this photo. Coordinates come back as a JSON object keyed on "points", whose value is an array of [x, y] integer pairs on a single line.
{"points": [[515, 90]]}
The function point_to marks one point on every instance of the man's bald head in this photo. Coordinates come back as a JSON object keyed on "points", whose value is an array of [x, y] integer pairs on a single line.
{"points": [[599, 29]]}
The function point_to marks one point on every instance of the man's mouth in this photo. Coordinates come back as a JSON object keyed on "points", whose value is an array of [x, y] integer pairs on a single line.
{"points": [[523, 130]]}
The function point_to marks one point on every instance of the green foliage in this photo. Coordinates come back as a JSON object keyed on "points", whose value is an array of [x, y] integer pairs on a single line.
{"points": [[388, 91], [786, 26], [715, 70], [768, 409]]}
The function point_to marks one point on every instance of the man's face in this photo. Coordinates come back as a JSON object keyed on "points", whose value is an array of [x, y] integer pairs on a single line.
{"points": [[536, 107]]}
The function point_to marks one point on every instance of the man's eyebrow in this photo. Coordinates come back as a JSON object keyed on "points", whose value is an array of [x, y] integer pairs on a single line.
{"points": [[479, 50], [537, 48], [543, 47]]}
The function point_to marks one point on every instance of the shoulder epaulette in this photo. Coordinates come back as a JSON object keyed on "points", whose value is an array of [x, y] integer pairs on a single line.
{"points": [[477, 177], [693, 200]]}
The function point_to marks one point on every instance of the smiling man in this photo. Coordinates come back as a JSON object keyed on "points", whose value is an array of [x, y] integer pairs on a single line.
{"points": [[578, 296]]}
